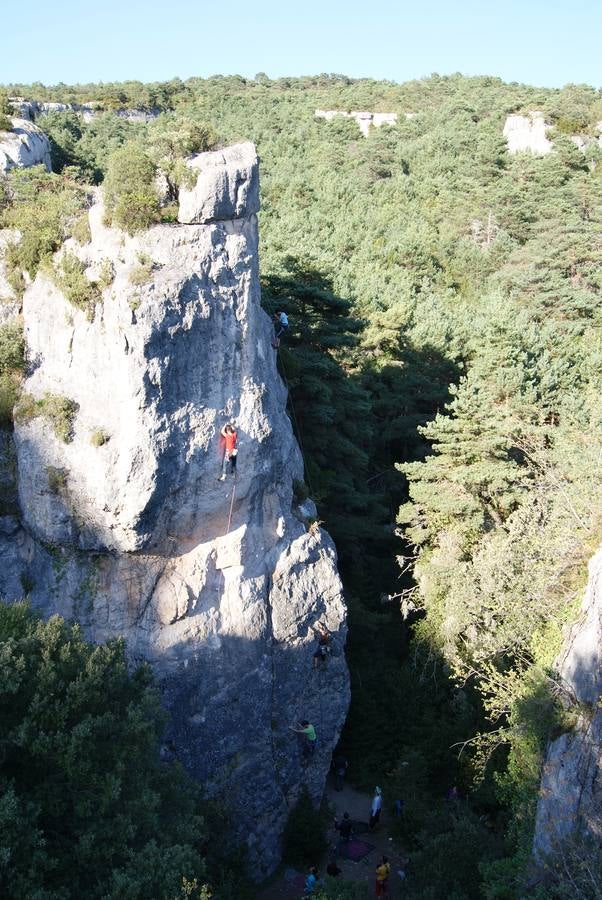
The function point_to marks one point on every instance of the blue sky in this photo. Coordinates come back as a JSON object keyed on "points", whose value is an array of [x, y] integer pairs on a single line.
{"points": [[540, 42]]}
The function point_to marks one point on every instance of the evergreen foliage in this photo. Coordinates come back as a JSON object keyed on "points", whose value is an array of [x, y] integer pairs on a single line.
{"points": [[70, 277], [304, 837], [5, 113], [12, 362], [444, 307], [86, 806], [131, 199], [42, 207]]}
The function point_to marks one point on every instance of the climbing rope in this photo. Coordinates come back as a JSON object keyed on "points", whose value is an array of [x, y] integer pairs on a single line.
{"points": [[231, 506]]}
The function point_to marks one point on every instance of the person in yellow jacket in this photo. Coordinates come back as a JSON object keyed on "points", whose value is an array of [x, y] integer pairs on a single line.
{"points": [[383, 870]]}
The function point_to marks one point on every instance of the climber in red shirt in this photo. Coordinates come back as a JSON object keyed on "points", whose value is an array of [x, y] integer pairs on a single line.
{"points": [[230, 440]]}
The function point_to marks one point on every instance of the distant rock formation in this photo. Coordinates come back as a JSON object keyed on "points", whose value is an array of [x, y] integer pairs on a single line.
{"points": [[583, 141], [26, 145], [570, 802], [127, 528], [363, 119], [528, 134], [31, 109]]}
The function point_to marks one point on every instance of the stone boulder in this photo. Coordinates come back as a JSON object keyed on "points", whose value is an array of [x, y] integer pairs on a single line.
{"points": [[26, 145], [227, 186]]}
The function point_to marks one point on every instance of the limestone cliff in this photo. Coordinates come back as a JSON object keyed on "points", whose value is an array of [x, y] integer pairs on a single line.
{"points": [[32, 109], [570, 802], [365, 120], [26, 145], [126, 527], [528, 134]]}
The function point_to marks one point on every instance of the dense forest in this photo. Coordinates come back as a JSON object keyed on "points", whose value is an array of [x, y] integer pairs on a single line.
{"points": [[444, 363]]}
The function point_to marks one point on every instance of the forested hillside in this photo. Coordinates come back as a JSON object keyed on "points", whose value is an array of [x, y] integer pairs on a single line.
{"points": [[444, 362]]}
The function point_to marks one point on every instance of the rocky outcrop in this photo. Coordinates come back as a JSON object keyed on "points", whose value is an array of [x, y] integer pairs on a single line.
{"points": [[364, 119], [26, 145], [570, 802], [528, 134], [226, 186], [31, 109], [127, 529], [583, 141]]}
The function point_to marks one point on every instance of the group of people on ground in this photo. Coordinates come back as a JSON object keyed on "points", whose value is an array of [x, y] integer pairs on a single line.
{"points": [[381, 886], [345, 826]]}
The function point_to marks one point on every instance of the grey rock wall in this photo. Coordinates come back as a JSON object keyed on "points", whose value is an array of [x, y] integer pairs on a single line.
{"points": [[216, 584], [32, 109], [570, 802], [26, 145]]}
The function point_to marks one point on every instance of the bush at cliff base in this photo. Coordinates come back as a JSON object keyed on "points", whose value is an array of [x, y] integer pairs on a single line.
{"points": [[87, 809], [304, 838]]}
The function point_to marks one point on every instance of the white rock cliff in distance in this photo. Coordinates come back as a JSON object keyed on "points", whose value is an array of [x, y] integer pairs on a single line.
{"points": [[217, 588], [570, 801], [528, 134], [364, 119], [26, 145]]}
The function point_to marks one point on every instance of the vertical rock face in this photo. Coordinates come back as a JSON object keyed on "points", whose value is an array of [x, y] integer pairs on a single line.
{"points": [[570, 802], [528, 134], [26, 145], [217, 584], [364, 119]]}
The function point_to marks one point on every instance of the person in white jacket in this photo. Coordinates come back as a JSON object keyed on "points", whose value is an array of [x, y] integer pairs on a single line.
{"points": [[377, 805]]}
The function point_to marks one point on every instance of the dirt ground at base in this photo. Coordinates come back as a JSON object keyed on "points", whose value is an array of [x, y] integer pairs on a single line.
{"points": [[282, 887]]}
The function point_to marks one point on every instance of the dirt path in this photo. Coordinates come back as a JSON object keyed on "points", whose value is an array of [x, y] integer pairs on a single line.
{"points": [[288, 884]]}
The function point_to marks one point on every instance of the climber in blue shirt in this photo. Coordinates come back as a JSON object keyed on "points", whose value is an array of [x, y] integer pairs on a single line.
{"points": [[281, 325]]}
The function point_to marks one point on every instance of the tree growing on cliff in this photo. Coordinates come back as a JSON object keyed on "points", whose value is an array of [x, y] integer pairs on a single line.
{"points": [[131, 199], [6, 111], [87, 809], [171, 138]]}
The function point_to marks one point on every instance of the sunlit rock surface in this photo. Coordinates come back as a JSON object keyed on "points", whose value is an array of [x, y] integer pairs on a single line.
{"points": [[570, 802], [216, 584], [26, 145], [528, 134]]}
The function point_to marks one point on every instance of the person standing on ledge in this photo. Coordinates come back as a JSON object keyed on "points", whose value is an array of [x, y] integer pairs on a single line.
{"points": [[230, 439]]}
